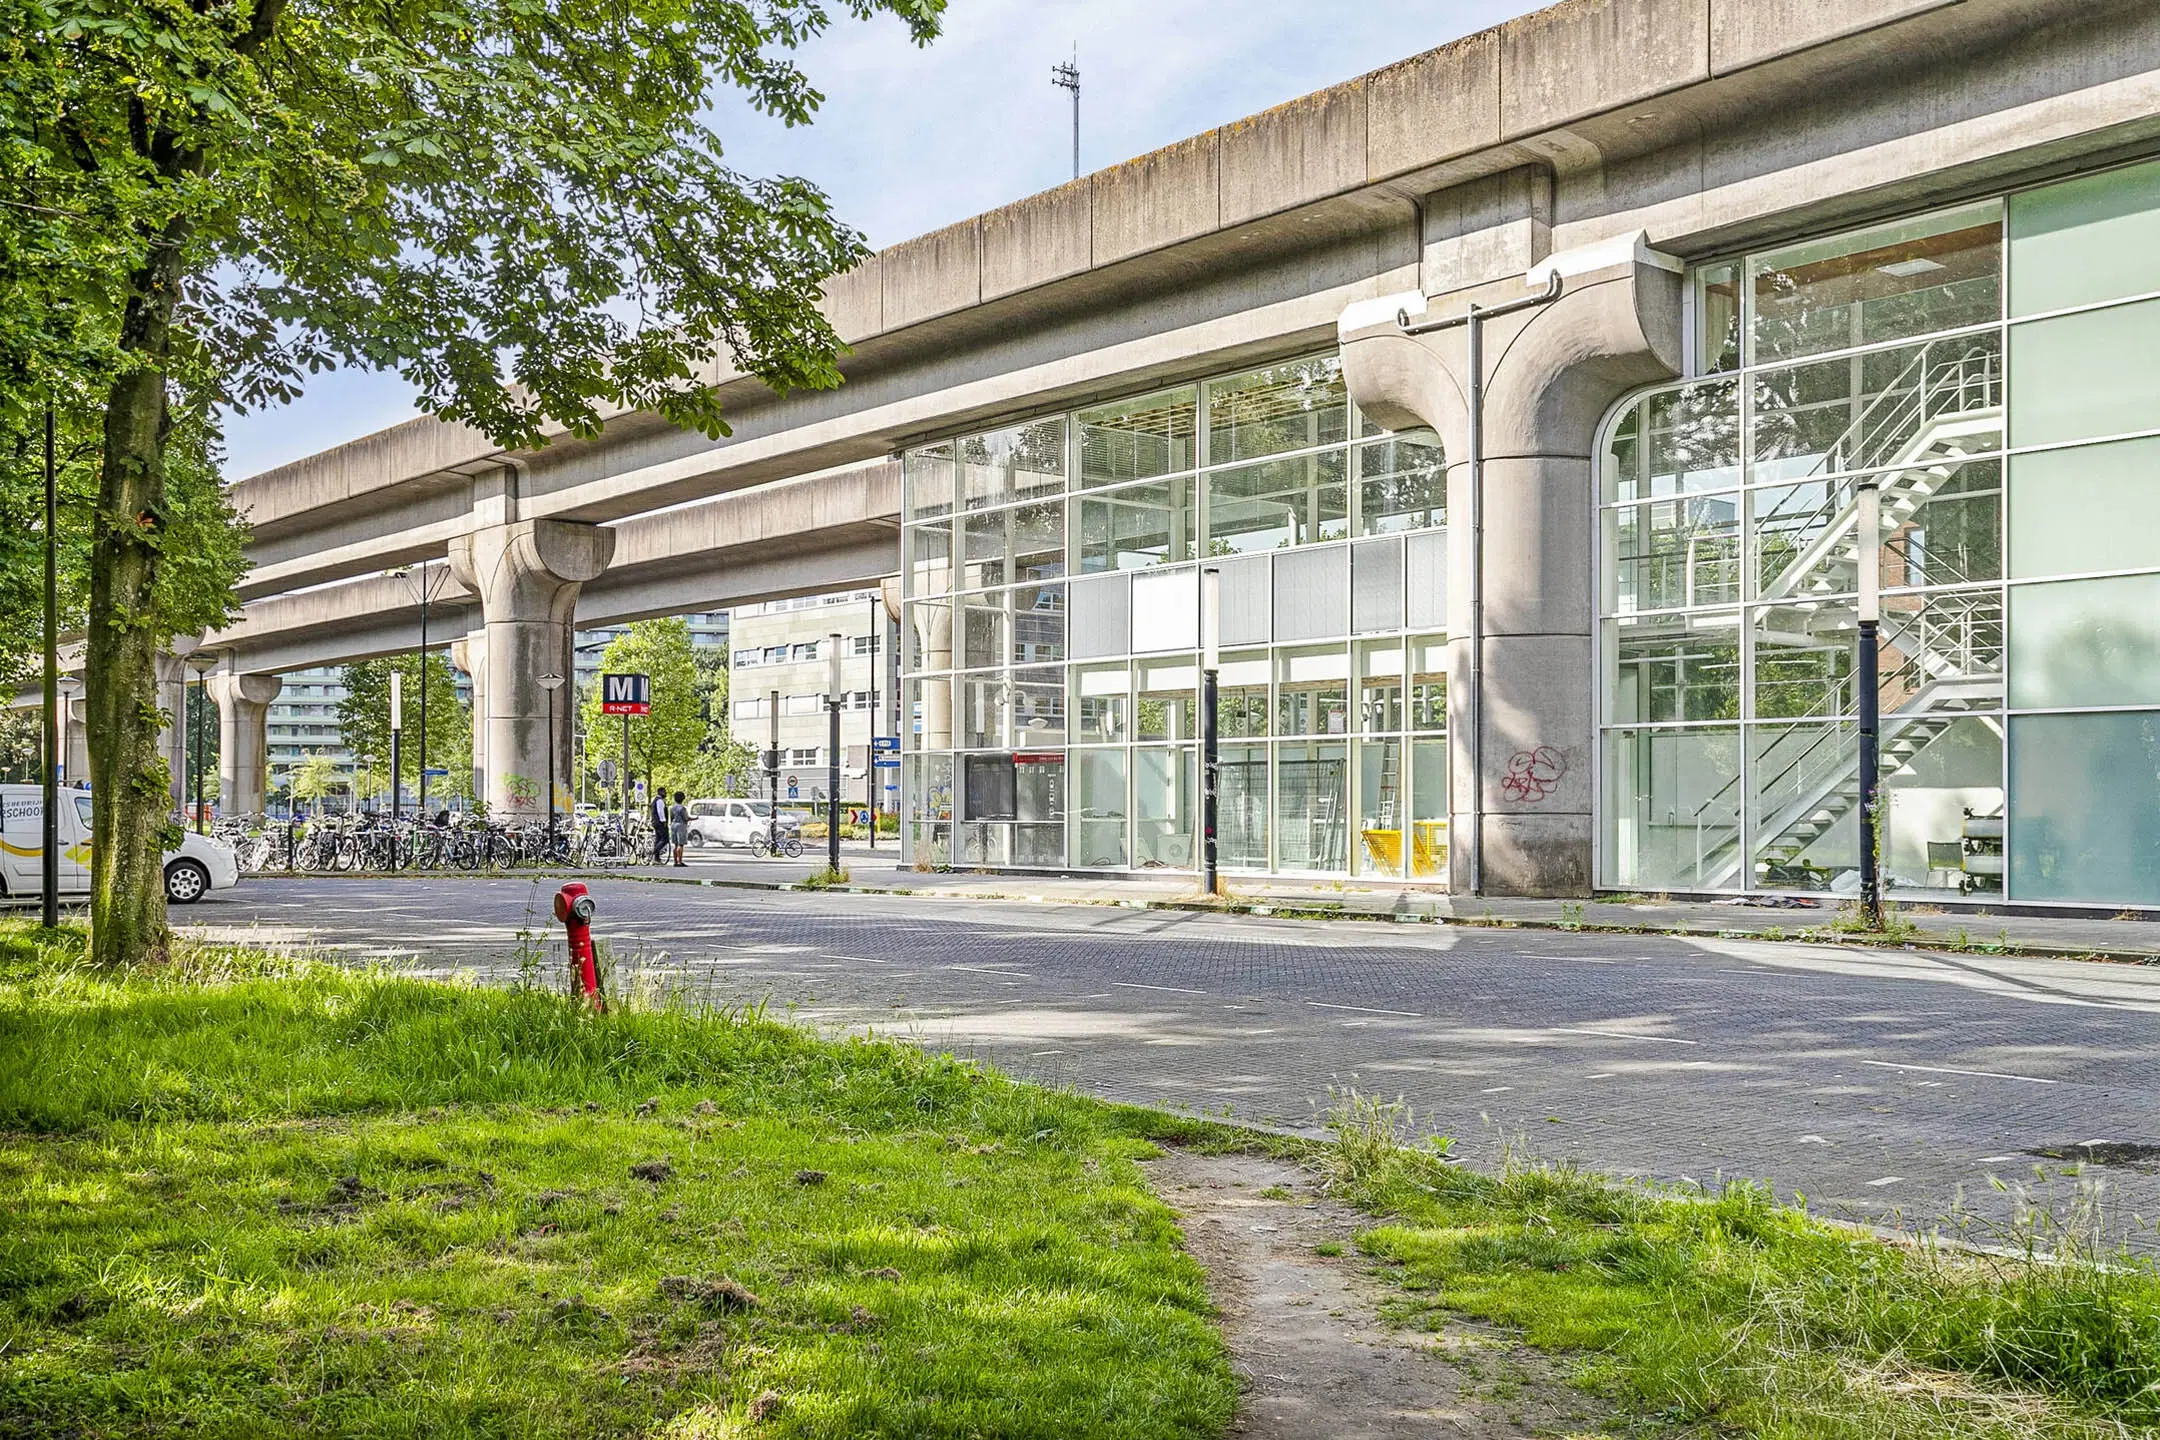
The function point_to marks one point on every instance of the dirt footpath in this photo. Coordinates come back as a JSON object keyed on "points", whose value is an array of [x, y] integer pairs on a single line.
{"points": [[1304, 1330]]}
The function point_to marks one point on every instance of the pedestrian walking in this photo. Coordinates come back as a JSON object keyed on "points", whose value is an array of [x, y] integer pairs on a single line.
{"points": [[679, 826], [660, 828]]}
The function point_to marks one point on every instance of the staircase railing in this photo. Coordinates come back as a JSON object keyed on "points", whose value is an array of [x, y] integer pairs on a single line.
{"points": [[1881, 436]]}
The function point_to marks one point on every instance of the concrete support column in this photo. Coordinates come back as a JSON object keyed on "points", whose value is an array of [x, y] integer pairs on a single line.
{"points": [[75, 741], [172, 692], [470, 655], [243, 703], [1551, 375], [933, 638], [527, 574]]}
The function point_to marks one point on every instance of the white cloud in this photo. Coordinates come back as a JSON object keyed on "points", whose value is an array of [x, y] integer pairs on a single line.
{"points": [[912, 139]]}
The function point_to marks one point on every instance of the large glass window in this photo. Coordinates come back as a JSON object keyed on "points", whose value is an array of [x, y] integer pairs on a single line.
{"points": [[1098, 815], [1139, 439], [1273, 459], [1164, 783], [2000, 398], [1731, 555], [1297, 406], [1939, 272]]}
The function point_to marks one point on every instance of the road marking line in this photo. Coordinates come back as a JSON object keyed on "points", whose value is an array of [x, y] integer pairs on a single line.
{"points": [[1166, 989], [1623, 1035], [1886, 1180], [1365, 1010], [1946, 1070], [1998, 1159], [1605, 1075], [858, 959], [1497, 1090], [1002, 972]]}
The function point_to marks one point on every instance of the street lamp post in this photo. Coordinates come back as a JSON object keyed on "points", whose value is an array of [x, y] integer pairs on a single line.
{"points": [[397, 740], [551, 683], [200, 664], [772, 774], [49, 879], [1869, 524], [1210, 726], [832, 787]]}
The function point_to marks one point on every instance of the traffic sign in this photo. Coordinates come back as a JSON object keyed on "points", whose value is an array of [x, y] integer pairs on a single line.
{"points": [[626, 695], [885, 742], [886, 764], [434, 773]]}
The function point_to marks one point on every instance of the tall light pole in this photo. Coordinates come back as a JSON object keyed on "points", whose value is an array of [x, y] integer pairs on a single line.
{"points": [[550, 683], [423, 583], [1869, 524], [832, 787], [1210, 727], [200, 664], [397, 741], [50, 840], [772, 773], [1067, 77]]}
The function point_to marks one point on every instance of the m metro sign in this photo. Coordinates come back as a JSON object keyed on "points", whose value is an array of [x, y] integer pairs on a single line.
{"points": [[626, 694]]}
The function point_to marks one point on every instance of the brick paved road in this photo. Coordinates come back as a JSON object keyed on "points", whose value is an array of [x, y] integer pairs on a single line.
{"points": [[1882, 1085]]}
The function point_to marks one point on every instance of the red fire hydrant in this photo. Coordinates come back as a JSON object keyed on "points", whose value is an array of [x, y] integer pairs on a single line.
{"points": [[575, 909]]}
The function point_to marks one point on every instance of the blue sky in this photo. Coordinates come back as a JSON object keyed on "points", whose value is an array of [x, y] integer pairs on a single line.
{"points": [[910, 139]]}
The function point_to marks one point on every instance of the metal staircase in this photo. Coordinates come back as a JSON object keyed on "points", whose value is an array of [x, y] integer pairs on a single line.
{"points": [[1941, 659]]}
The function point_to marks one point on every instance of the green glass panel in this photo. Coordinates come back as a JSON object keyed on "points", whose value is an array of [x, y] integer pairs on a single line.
{"points": [[2085, 241], [2085, 808], [2057, 496], [2086, 376], [2085, 643]]}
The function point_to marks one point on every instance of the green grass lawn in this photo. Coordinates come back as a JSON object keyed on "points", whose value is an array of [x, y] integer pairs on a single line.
{"points": [[249, 1197], [1732, 1315]]}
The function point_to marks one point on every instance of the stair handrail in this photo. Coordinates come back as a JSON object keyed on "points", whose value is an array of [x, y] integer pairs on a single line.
{"points": [[1841, 495]]}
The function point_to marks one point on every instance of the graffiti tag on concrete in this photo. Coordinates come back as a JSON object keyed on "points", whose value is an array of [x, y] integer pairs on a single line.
{"points": [[1532, 775]]}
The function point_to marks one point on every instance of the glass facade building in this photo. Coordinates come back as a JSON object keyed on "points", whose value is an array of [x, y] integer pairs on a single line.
{"points": [[1990, 369], [1051, 633], [1993, 371]]}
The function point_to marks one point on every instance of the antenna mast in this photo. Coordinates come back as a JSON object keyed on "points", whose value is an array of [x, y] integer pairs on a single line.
{"points": [[1067, 77]]}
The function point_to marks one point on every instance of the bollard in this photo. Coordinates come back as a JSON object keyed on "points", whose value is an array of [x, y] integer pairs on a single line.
{"points": [[574, 907]]}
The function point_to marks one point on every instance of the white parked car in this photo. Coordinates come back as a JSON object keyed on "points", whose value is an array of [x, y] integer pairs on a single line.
{"points": [[200, 864], [731, 823]]}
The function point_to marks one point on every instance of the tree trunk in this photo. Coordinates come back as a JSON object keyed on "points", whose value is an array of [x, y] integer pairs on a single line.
{"points": [[128, 775]]}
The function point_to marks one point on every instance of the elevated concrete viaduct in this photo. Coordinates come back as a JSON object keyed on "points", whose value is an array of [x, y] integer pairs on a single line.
{"points": [[1675, 129]]}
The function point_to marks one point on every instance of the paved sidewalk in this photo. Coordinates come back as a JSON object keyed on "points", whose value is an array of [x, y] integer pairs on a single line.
{"points": [[1982, 930]]}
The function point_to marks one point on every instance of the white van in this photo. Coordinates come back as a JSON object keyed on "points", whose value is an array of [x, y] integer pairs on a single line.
{"points": [[729, 823], [199, 865]]}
